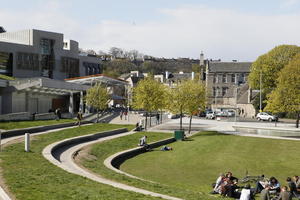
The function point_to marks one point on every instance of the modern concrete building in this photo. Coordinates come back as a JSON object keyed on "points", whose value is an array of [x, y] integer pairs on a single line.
{"points": [[41, 61], [36, 53]]}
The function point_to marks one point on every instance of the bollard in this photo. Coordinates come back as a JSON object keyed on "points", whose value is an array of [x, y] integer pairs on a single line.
{"points": [[27, 142], [0, 140]]}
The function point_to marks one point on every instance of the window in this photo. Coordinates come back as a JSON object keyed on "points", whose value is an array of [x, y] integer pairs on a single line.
{"points": [[29, 61], [45, 45], [224, 91], [243, 78], [70, 66], [224, 79], [215, 78], [233, 78], [214, 91], [6, 63]]}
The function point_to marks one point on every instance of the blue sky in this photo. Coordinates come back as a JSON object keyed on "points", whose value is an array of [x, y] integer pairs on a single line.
{"points": [[228, 29]]}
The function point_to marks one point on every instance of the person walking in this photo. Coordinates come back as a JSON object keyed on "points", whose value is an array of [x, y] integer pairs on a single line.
{"points": [[125, 114], [157, 118], [58, 114], [121, 114], [79, 118]]}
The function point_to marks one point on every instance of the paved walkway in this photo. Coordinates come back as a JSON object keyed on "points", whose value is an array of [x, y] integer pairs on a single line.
{"points": [[67, 163], [131, 119]]}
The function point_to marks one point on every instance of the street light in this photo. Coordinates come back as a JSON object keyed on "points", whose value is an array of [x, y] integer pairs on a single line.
{"points": [[260, 83]]}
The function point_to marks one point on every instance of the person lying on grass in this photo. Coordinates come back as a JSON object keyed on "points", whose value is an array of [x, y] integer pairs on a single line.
{"points": [[166, 148]]}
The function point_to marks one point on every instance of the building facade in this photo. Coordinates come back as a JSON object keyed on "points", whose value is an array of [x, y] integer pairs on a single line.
{"points": [[227, 85], [36, 53], [41, 61]]}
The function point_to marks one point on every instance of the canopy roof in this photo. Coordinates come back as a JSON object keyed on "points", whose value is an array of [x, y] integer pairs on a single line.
{"points": [[92, 79], [48, 86]]}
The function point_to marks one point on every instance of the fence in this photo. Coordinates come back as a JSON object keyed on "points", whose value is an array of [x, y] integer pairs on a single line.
{"points": [[152, 121]]}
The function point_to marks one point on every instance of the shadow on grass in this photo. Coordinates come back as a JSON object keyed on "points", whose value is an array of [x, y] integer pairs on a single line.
{"points": [[208, 133], [188, 140]]}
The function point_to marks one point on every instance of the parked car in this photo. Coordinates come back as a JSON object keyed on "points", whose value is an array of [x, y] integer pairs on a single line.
{"points": [[230, 113], [173, 116], [210, 115], [266, 117]]}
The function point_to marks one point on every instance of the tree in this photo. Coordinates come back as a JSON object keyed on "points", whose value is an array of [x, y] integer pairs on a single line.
{"points": [[148, 95], [117, 67], [286, 96], [187, 97], [116, 52], [91, 52], [269, 66], [98, 97], [195, 98]]}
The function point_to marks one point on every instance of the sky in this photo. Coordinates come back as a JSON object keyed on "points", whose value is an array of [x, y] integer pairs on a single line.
{"points": [[223, 29]]}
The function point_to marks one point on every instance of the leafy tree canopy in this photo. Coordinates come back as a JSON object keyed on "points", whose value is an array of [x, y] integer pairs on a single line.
{"points": [[286, 96], [270, 65]]}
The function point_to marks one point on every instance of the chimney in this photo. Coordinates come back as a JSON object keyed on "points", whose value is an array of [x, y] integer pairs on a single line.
{"points": [[167, 74], [193, 75], [201, 59]]}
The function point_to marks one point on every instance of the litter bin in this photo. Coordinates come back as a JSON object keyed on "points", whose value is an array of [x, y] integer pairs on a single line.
{"points": [[179, 134]]}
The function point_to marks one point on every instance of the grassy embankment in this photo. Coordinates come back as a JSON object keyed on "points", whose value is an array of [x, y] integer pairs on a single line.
{"points": [[29, 176], [27, 124], [193, 165]]}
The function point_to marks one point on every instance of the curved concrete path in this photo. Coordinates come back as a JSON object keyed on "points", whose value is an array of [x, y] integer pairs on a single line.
{"points": [[67, 163], [3, 194]]}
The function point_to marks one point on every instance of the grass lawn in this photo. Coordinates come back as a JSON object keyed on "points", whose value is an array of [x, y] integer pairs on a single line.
{"points": [[195, 164], [103, 150], [29, 176], [27, 124]]}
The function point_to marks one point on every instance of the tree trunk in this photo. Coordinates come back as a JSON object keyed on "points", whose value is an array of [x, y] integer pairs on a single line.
{"points": [[146, 121], [180, 119], [190, 125], [150, 120], [298, 118], [161, 116]]}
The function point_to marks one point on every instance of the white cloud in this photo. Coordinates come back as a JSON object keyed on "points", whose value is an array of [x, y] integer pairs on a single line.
{"points": [[289, 3], [181, 32]]}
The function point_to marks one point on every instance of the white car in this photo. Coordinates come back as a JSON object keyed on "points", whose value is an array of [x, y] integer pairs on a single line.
{"points": [[210, 115], [266, 117]]}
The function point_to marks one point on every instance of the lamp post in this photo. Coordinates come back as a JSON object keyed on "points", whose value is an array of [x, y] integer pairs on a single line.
{"points": [[260, 84], [236, 92]]}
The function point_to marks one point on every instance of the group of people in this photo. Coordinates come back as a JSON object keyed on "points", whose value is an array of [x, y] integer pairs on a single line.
{"points": [[269, 189], [123, 113]]}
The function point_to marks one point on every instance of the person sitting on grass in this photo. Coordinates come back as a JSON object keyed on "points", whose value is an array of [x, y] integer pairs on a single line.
{"points": [[217, 186], [274, 186], [265, 193], [284, 194], [292, 187], [297, 182], [166, 148], [246, 193], [143, 143], [138, 127]]}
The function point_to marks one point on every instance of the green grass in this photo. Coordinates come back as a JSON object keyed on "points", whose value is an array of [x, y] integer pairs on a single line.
{"points": [[194, 165], [27, 124], [103, 150], [29, 176], [8, 78]]}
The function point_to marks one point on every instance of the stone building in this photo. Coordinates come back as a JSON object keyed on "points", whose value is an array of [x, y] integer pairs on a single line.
{"points": [[227, 85]]}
